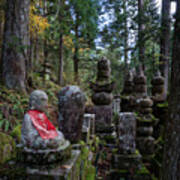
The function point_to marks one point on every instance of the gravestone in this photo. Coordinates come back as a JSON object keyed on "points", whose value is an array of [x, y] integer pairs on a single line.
{"points": [[71, 112], [127, 133], [126, 162]]}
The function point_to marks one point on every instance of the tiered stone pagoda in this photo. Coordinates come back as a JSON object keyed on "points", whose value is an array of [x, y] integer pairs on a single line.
{"points": [[102, 97], [158, 93], [145, 123], [140, 87], [159, 98], [127, 100]]}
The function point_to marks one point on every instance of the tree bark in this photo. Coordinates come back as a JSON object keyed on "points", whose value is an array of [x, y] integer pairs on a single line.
{"points": [[171, 161], [75, 57], [1, 39], [141, 28], [60, 60], [15, 43], [61, 16], [125, 36], [165, 42]]}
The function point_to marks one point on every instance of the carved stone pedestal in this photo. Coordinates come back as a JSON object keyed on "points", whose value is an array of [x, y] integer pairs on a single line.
{"points": [[68, 170], [64, 170]]}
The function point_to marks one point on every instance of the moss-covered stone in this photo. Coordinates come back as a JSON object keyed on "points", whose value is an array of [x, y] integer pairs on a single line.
{"points": [[7, 148], [16, 133]]}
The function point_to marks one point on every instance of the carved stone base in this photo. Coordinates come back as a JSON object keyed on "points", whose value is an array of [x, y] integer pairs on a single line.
{"points": [[127, 161], [43, 156], [68, 169], [128, 167]]}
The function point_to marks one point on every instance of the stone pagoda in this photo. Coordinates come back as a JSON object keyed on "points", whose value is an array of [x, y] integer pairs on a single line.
{"points": [[102, 97], [126, 95], [159, 98]]}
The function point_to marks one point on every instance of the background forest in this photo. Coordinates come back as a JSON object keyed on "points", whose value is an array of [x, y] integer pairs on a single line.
{"points": [[48, 44]]}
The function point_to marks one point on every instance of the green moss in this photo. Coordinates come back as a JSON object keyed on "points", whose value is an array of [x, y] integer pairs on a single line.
{"points": [[7, 148], [90, 172], [16, 133], [143, 170], [163, 105], [123, 171]]}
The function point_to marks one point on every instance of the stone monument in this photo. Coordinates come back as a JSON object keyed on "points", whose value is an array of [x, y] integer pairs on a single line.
{"points": [[126, 163], [39, 137], [102, 97], [71, 112], [44, 153]]}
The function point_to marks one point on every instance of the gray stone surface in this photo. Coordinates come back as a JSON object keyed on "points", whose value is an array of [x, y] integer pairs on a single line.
{"points": [[127, 133], [71, 112]]}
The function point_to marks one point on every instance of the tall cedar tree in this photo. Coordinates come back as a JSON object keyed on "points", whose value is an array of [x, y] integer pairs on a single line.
{"points": [[164, 41], [171, 163], [15, 44]]}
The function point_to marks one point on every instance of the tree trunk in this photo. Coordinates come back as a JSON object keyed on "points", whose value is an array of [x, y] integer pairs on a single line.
{"points": [[171, 161], [15, 44], [125, 36], [141, 28], [61, 60], [61, 16], [165, 41], [76, 62], [75, 57], [1, 39]]}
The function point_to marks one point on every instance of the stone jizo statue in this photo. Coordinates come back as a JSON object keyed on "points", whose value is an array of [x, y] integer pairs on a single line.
{"points": [[37, 131]]}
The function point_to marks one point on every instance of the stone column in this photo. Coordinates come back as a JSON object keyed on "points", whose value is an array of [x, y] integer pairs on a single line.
{"points": [[71, 112]]}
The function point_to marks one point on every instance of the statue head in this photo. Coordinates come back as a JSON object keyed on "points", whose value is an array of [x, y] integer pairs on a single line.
{"points": [[38, 100]]}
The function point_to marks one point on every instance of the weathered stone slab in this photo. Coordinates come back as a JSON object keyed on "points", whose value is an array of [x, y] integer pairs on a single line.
{"points": [[71, 112], [127, 133], [116, 105], [103, 120]]}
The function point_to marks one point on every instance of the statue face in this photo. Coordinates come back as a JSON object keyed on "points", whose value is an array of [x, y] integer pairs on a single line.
{"points": [[38, 100]]}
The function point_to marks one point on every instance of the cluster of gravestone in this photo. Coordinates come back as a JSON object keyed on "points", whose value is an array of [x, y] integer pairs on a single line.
{"points": [[124, 125], [140, 127]]}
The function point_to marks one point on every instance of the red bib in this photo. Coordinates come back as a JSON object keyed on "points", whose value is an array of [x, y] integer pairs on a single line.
{"points": [[40, 121]]}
